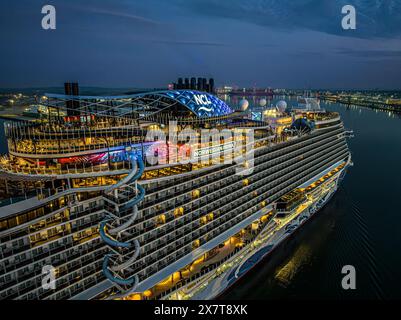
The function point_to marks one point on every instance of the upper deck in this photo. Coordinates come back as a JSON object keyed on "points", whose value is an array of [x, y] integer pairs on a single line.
{"points": [[108, 123], [94, 141]]}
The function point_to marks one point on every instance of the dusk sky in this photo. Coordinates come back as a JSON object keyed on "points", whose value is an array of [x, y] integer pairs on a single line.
{"points": [[149, 43]]}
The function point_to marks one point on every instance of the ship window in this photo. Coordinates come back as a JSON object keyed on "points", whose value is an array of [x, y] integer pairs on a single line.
{"points": [[178, 212], [161, 219], [32, 215], [196, 244], [203, 220], [12, 222], [3, 224], [195, 194]]}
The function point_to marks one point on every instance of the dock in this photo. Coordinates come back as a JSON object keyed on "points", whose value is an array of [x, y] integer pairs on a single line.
{"points": [[368, 103], [14, 113]]}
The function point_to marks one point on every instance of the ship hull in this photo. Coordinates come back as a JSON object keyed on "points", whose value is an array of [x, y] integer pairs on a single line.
{"points": [[224, 282]]}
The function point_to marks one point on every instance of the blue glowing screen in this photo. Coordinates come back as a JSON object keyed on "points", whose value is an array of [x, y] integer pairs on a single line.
{"points": [[200, 103]]}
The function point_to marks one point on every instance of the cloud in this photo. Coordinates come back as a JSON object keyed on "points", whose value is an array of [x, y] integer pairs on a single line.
{"points": [[374, 54], [191, 43], [126, 15], [375, 18]]}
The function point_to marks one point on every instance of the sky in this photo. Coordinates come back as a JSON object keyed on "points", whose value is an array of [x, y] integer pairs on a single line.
{"points": [[150, 43]]}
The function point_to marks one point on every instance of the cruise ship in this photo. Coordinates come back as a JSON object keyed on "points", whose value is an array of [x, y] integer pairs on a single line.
{"points": [[121, 197]]}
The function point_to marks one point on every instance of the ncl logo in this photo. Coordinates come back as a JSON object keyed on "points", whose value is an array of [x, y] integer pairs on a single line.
{"points": [[202, 99]]}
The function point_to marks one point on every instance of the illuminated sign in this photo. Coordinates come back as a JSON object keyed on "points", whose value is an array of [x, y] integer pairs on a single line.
{"points": [[202, 99], [256, 115], [202, 104], [214, 149]]}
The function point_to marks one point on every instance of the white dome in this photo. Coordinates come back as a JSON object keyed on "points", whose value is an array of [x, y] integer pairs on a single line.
{"points": [[244, 104], [281, 105], [263, 102]]}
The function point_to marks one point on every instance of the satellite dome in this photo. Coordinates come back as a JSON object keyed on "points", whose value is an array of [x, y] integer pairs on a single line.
{"points": [[281, 105], [244, 104], [263, 102]]}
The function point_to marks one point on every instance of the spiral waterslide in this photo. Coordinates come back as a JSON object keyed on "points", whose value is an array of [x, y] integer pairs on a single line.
{"points": [[121, 202]]}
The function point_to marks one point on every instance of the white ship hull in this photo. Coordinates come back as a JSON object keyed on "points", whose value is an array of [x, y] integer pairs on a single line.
{"points": [[213, 284]]}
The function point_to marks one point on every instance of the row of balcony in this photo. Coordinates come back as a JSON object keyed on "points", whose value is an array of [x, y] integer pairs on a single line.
{"points": [[156, 188], [160, 260], [234, 209], [234, 183], [210, 186]]}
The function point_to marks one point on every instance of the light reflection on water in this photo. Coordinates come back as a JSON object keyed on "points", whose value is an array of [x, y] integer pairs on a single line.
{"points": [[287, 271]]}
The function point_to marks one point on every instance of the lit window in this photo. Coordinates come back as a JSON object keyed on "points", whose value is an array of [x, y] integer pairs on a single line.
{"points": [[178, 212], [161, 219], [195, 194], [203, 220], [147, 293], [196, 244]]}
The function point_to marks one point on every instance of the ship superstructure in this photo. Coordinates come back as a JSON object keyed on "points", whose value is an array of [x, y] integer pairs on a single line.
{"points": [[120, 197]]}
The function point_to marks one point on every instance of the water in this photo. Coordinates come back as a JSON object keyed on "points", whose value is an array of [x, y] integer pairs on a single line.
{"points": [[360, 226]]}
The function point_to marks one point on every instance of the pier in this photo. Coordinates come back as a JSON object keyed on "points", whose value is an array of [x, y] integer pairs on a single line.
{"points": [[365, 102], [15, 113]]}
